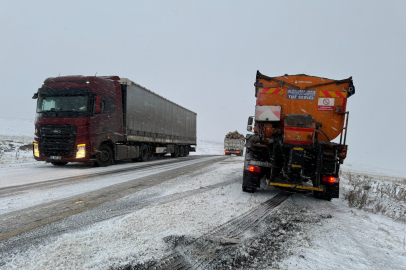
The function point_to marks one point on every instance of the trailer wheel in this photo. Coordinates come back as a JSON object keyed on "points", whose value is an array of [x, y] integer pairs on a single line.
{"points": [[176, 153], [144, 153], [58, 163], [105, 156], [181, 151], [186, 150]]}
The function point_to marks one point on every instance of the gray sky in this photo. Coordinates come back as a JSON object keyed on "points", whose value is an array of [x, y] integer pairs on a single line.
{"points": [[204, 55]]}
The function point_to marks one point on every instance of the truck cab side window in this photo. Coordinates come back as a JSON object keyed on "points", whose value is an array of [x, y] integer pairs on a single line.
{"points": [[108, 105]]}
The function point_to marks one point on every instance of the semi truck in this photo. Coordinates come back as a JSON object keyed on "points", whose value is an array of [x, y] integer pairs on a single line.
{"points": [[297, 117], [100, 119]]}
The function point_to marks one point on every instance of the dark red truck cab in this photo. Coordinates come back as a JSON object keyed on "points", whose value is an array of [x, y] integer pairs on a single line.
{"points": [[91, 119]]}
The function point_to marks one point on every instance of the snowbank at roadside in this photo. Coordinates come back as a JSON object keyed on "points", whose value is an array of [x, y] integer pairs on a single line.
{"points": [[16, 137]]}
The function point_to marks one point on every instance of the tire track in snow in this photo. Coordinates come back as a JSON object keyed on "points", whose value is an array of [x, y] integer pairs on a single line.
{"points": [[6, 191], [20, 243], [185, 259]]}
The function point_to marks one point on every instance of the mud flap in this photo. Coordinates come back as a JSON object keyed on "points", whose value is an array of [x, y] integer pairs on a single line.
{"points": [[251, 180], [332, 190]]}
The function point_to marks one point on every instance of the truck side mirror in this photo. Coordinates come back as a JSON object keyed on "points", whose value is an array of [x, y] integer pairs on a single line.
{"points": [[250, 120], [97, 107], [35, 96], [249, 128]]}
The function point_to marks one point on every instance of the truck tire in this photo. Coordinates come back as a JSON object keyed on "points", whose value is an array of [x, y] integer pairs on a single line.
{"points": [[181, 151], [105, 156], [176, 153], [58, 163], [186, 150], [144, 153]]}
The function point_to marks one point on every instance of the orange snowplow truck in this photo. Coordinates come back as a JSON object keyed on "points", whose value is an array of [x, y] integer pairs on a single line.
{"points": [[297, 117]]}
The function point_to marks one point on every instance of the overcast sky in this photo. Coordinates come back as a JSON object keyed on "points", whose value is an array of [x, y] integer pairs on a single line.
{"points": [[204, 55]]}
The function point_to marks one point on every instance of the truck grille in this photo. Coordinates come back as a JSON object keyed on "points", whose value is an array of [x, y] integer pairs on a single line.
{"points": [[57, 140]]}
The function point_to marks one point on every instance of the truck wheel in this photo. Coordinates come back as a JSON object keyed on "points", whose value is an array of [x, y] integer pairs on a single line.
{"points": [[181, 151], [144, 153], [186, 150], [176, 153], [105, 156], [58, 163]]}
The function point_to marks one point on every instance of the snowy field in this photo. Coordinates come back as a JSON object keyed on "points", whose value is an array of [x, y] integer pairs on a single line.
{"points": [[364, 229]]}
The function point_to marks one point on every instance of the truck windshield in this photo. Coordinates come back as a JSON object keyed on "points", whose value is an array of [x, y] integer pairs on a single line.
{"points": [[63, 104]]}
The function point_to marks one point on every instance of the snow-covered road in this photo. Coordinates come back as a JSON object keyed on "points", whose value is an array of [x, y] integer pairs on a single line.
{"points": [[36, 184], [180, 216]]}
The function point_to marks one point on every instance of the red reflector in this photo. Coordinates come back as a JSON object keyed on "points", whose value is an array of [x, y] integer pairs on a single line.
{"points": [[330, 179], [253, 169], [227, 151], [237, 152]]}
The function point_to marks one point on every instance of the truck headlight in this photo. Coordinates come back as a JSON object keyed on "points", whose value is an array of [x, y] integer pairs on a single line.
{"points": [[81, 151], [36, 150]]}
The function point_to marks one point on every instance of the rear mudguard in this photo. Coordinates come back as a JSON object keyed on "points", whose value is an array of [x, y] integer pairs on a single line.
{"points": [[251, 179]]}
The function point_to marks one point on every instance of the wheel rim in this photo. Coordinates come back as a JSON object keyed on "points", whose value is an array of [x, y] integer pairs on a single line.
{"points": [[104, 156]]}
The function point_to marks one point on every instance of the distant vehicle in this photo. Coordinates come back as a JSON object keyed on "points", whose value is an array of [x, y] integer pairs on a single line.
{"points": [[296, 119], [234, 143], [101, 119]]}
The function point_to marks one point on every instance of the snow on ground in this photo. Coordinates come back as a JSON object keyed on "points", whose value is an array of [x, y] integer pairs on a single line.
{"points": [[34, 196], [375, 193], [138, 237], [350, 239], [16, 136], [373, 170], [209, 147], [343, 238]]}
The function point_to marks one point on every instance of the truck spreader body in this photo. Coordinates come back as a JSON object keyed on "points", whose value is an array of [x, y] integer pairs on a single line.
{"points": [[101, 119], [297, 117]]}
